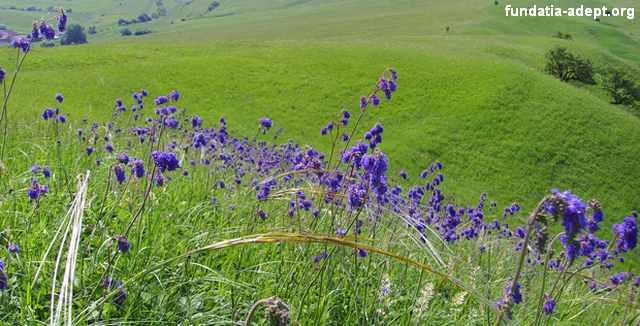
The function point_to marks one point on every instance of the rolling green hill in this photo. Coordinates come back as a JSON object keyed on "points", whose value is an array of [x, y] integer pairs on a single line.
{"points": [[475, 97]]}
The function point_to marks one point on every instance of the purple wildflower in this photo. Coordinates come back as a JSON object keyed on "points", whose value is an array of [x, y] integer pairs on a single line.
{"points": [[2, 75], [46, 172], [515, 294], [21, 43], [165, 161], [375, 100], [137, 166], [120, 175], [48, 32], [36, 190], [13, 248], [62, 21], [175, 96], [262, 214], [363, 102], [118, 298], [403, 175], [59, 97], [89, 150], [48, 114], [123, 158], [549, 305], [627, 234], [161, 100], [265, 123], [123, 243], [4, 282], [572, 210]]}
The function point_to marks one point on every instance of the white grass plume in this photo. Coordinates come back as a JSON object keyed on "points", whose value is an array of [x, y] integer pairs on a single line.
{"points": [[71, 221]]}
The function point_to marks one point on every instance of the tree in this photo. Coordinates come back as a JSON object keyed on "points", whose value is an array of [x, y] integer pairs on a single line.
{"points": [[92, 30], [144, 18], [125, 32], [623, 90], [73, 35], [567, 66]]}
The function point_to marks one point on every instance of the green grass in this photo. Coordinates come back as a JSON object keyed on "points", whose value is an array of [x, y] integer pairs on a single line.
{"points": [[476, 98], [479, 113]]}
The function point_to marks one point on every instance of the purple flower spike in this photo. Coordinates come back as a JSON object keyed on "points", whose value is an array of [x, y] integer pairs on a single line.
{"points": [[627, 234], [120, 175], [4, 282], [549, 305], [62, 21], [59, 97]]}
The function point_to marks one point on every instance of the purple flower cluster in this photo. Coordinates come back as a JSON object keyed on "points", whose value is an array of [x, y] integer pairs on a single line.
{"points": [[385, 84], [36, 190], [626, 234], [374, 136], [265, 123], [45, 170], [571, 209], [47, 31], [62, 21], [165, 161], [22, 44], [120, 175]]}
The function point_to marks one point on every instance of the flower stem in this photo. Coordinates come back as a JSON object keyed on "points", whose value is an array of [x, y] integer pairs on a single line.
{"points": [[523, 253]]}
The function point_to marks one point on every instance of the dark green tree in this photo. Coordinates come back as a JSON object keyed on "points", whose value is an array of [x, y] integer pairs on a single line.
{"points": [[125, 32], [568, 66], [620, 86], [74, 35]]}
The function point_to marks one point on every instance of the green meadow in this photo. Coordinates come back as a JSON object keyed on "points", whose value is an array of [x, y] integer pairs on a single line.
{"points": [[472, 93]]}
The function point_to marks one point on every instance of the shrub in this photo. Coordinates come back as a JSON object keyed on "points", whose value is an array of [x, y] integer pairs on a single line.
{"points": [[91, 30], [620, 87], [47, 44], [125, 32], [567, 66], [144, 18], [74, 35], [142, 32], [212, 6], [561, 35]]}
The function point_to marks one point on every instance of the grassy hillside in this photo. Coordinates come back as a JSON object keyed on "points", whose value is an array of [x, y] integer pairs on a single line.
{"points": [[474, 97], [472, 93]]}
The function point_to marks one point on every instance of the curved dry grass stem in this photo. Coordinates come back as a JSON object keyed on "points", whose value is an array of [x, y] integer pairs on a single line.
{"points": [[282, 237]]}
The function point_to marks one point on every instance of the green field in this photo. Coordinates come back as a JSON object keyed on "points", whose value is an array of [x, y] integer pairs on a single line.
{"points": [[472, 93]]}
